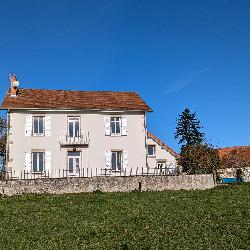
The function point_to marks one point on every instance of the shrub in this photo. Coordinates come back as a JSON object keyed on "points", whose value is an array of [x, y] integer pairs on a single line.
{"points": [[199, 159]]}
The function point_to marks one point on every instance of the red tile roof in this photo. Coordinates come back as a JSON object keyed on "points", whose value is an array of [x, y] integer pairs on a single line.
{"points": [[65, 99], [162, 144], [242, 149]]}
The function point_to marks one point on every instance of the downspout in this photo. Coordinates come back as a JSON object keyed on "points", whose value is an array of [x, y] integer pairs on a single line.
{"points": [[7, 140], [145, 127]]}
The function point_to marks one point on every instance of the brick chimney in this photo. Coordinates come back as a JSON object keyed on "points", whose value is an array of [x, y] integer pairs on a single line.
{"points": [[14, 83]]}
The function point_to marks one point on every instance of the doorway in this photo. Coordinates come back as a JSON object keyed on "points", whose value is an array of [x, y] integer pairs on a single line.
{"points": [[74, 162]]}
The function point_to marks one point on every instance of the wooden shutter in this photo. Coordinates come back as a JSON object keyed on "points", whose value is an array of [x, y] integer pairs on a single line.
{"points": [[48, 162], [107, 125], [124, 125], [125, 160], [27, 162], [108, 159], [47, 125], [28, 125]]}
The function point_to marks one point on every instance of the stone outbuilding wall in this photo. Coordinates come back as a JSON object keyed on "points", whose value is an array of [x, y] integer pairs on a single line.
{"points": [[106, 184], [231, 173]]}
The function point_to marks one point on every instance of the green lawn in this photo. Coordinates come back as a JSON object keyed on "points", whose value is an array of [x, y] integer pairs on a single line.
{"points": [[211, 219]]}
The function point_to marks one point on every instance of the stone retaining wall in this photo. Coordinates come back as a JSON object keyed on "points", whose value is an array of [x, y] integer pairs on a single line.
{"points": [[106, 184]]}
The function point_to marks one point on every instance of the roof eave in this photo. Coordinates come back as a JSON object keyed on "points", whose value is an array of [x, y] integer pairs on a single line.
{"points": [[75, 109], [159, 142]]}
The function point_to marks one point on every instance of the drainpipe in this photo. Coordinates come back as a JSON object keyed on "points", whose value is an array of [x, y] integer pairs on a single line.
{"points": [[7, 141], [146, 136]]}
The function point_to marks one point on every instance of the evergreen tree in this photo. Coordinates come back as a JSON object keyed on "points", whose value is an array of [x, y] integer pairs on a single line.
{"points": [[188, 129], [197, 156]]}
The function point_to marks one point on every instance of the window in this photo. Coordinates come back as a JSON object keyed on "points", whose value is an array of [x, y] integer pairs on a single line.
{"points": [[38, 161], [74, 126], [115, 123], [74, 162], [161, 166], [151, 150], [38, 125], [116, 160]]}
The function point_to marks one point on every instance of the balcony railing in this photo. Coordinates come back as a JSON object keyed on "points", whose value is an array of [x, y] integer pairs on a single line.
{"points": [[82, 139]]}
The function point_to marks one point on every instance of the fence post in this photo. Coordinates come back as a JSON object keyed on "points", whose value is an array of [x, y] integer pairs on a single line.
{"points": [[130, 171], [136, 171], [95, 171], [142, 171], [214, 177]]}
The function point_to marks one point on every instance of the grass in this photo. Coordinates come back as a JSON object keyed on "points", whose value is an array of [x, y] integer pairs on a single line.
{"points": [[211, 219]]}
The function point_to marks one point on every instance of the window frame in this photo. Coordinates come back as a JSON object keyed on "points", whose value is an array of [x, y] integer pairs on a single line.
{"points": [[162, 170], [161, 162], [154, 150], [116, 122], [33, 125], [79, 119], [121, 157], [74, 157], [38, 161]]}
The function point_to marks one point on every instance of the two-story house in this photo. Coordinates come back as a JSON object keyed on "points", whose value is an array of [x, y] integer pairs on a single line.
{"points": [[59, 132]]}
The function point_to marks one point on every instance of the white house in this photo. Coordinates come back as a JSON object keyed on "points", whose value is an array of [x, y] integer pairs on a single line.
{"points": [[160, 156], [59, 133]]}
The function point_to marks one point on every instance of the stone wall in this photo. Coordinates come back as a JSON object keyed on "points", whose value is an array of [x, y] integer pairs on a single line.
{"points": [[106, 184]]}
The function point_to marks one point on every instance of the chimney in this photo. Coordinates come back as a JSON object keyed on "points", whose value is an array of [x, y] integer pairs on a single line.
{"points": [[14, 83]]}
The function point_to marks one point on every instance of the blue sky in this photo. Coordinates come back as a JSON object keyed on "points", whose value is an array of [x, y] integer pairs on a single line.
{"points": [[176, 54]]}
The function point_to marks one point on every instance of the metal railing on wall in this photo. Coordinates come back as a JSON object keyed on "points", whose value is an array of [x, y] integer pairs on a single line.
{"points": [[89, 173]]}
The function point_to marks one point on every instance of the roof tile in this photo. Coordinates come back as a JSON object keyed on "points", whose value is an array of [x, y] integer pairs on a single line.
{"points": [[68, 99]]}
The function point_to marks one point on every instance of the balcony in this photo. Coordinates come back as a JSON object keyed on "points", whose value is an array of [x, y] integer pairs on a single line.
{"points": [[82, 140]]}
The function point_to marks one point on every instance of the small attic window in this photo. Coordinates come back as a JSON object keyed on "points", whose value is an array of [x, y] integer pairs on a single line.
{"points": [[151, 150]]}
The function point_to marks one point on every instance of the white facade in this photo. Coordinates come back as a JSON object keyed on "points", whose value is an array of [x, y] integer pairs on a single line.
{"points": [[159, 157], [97, 147]]}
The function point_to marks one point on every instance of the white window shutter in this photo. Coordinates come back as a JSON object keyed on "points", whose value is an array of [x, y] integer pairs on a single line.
{"points": [[125, 160], [108, 159], [28, 125], [27, 162], [107, 125], [47, 125], [48, 161], [124, 125]]}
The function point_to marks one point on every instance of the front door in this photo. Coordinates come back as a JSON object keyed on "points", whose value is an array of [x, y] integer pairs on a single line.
{"points": [[161, 167], [74, 163]]}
